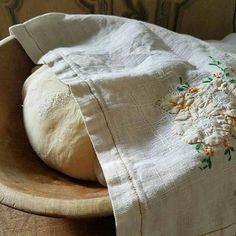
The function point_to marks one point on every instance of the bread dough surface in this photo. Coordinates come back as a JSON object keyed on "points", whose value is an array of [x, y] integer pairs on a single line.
{"points": [[55, 126]]}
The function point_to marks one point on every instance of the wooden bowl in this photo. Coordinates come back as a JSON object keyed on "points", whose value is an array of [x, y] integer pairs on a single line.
{"points": [[26, 183]]}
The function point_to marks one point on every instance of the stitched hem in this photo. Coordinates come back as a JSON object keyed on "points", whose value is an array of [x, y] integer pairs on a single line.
{"points": [[89, 90], [27, 41], [217, 230]]}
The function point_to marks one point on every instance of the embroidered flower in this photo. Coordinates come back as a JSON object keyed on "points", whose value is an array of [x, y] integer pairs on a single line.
{"points": [[173, 103], [206, 114], [228, 149], [222, 94], [193, 90], [209, 151], [217, 75], [225, 143], [202, 125]]}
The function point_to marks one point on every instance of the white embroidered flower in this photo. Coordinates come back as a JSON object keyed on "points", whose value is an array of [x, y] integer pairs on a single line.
{"points": [[222, 94], [202, 125], [206, 114]]}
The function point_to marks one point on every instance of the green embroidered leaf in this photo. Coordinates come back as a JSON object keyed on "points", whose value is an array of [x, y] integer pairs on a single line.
{"points": [[183, 85], [232, 81], [180, 88], [198, 147], [204, 167], [226, 71], [208, 80], [218, 64], [227, 151], [214, 61], [209, 163], [205, 160]]}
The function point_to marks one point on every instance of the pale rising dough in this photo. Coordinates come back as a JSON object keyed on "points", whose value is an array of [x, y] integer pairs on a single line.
{"points": [[55, 127]]}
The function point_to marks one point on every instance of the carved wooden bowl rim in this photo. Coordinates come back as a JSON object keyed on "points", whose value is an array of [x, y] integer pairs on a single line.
{"points": [[26, 183]]}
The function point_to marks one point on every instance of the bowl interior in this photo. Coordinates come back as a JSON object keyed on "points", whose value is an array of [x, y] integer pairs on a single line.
{"points": [[22, 174]]}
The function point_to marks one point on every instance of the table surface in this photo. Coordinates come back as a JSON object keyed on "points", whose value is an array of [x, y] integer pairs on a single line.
{"points": [[14, 222]]}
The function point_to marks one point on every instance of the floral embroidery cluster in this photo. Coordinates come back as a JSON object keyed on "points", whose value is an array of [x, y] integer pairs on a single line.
{"points": [[206, 114]]}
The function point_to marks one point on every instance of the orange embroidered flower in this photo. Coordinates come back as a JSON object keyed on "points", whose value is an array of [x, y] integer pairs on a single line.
{"points": [[182, 105], [217, 75], [206, 113], [208, 151], [193, 90], [175, 102], [225, 143]]}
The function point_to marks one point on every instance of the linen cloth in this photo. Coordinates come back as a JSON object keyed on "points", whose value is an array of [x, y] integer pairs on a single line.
{"points": [[228, 44], [119, 70]]}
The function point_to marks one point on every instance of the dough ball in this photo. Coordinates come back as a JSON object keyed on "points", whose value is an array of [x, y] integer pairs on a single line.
{"points": [[55, 127]]}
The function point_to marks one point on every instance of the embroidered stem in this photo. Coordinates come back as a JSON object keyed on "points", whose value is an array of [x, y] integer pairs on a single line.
{"points": [[206, 161], [208, 80], [183, 85], [217, 64], [206, 115], [208, 153], [228, 152]]}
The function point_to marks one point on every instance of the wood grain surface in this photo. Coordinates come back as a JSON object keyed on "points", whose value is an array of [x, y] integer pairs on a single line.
{"points": [[26, 183], [207, 19], [17, 223], [22, 172]]}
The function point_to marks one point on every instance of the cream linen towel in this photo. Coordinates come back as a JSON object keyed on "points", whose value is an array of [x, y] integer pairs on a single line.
{"points": [[228, 44], [119, 70]]}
